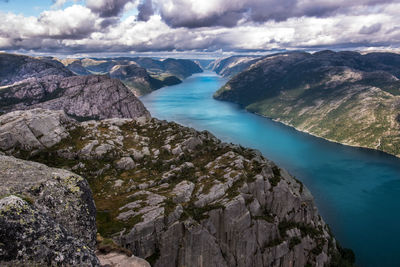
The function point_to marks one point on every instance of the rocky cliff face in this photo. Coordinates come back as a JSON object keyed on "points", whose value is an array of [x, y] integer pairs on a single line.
{"points": [[83, 97], [14, 68], [179, 197], [47, 216], [344, 97]]}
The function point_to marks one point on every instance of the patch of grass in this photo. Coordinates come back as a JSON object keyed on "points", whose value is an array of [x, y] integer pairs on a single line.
{"points": [[199, 213], [107, 245], [233, 191], [107, 225], [293, 242], [153, 258], [277, 176], [267, 216], [169, 206], [304, 229]]}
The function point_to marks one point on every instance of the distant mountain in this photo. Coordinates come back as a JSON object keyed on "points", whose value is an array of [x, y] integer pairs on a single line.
{"points": [[205, 64], [345, 97], [14, 68], [141, 74], [230, 66], [138, 79], [76, 66], [44, 83], [181, 68]]}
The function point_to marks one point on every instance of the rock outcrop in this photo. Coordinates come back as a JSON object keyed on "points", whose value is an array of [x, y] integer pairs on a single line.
{"points": [[114, 259], [345, 97], [47, 216], [179, 197], [83, 97], [14, 68]]}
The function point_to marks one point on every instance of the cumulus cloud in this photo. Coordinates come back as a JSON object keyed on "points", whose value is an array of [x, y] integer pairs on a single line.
{"points": [[187, 25], [107, 8]]}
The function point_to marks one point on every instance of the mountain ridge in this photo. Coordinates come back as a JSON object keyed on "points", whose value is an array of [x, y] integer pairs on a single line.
{"points": [[344, 97]]}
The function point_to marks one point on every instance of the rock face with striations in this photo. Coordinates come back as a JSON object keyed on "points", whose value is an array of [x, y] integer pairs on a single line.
{"points": [[83, 97], [179, 197], [14, 68], [47, 216]]}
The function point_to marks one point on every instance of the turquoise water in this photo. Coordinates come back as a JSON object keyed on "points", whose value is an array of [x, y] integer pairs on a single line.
{"points": [[357, 191]]}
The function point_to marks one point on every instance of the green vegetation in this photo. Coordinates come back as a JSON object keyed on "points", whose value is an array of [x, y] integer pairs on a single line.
{"points": [[153, 258], [351, 105], [295, 241], [277, 176], [199, 213]]}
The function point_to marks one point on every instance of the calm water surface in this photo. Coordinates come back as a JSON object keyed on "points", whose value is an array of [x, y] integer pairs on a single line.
{"points": [[356, 190]]}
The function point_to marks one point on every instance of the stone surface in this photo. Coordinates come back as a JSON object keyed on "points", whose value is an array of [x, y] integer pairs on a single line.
{"points": [[114, 259], [47, 216], [33, 130]]}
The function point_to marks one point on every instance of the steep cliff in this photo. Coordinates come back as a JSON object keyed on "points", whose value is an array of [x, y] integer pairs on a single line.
{"points": [[179, 197], [344, 97]]}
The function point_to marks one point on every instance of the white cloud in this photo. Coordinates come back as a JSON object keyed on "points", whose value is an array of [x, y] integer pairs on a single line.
{"points": [[81, 29]]}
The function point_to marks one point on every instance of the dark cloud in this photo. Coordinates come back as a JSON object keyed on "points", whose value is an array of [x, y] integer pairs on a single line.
{"points": [[371, 29], [145, 10], [192, 13], [107, 8]]}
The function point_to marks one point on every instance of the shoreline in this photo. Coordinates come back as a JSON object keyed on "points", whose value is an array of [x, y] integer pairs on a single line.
{"points": [[326, 139]]}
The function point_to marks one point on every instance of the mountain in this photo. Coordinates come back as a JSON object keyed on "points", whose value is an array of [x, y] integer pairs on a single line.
{"points": [[138, 80], [76, 66], [205, 64], [181, 68], [15, 68], [52, 86], [230, 66], [140, 74], [173, 195], [344, 97]]}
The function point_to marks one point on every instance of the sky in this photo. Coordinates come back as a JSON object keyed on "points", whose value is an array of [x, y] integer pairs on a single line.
{"points": [[196, 27]]}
